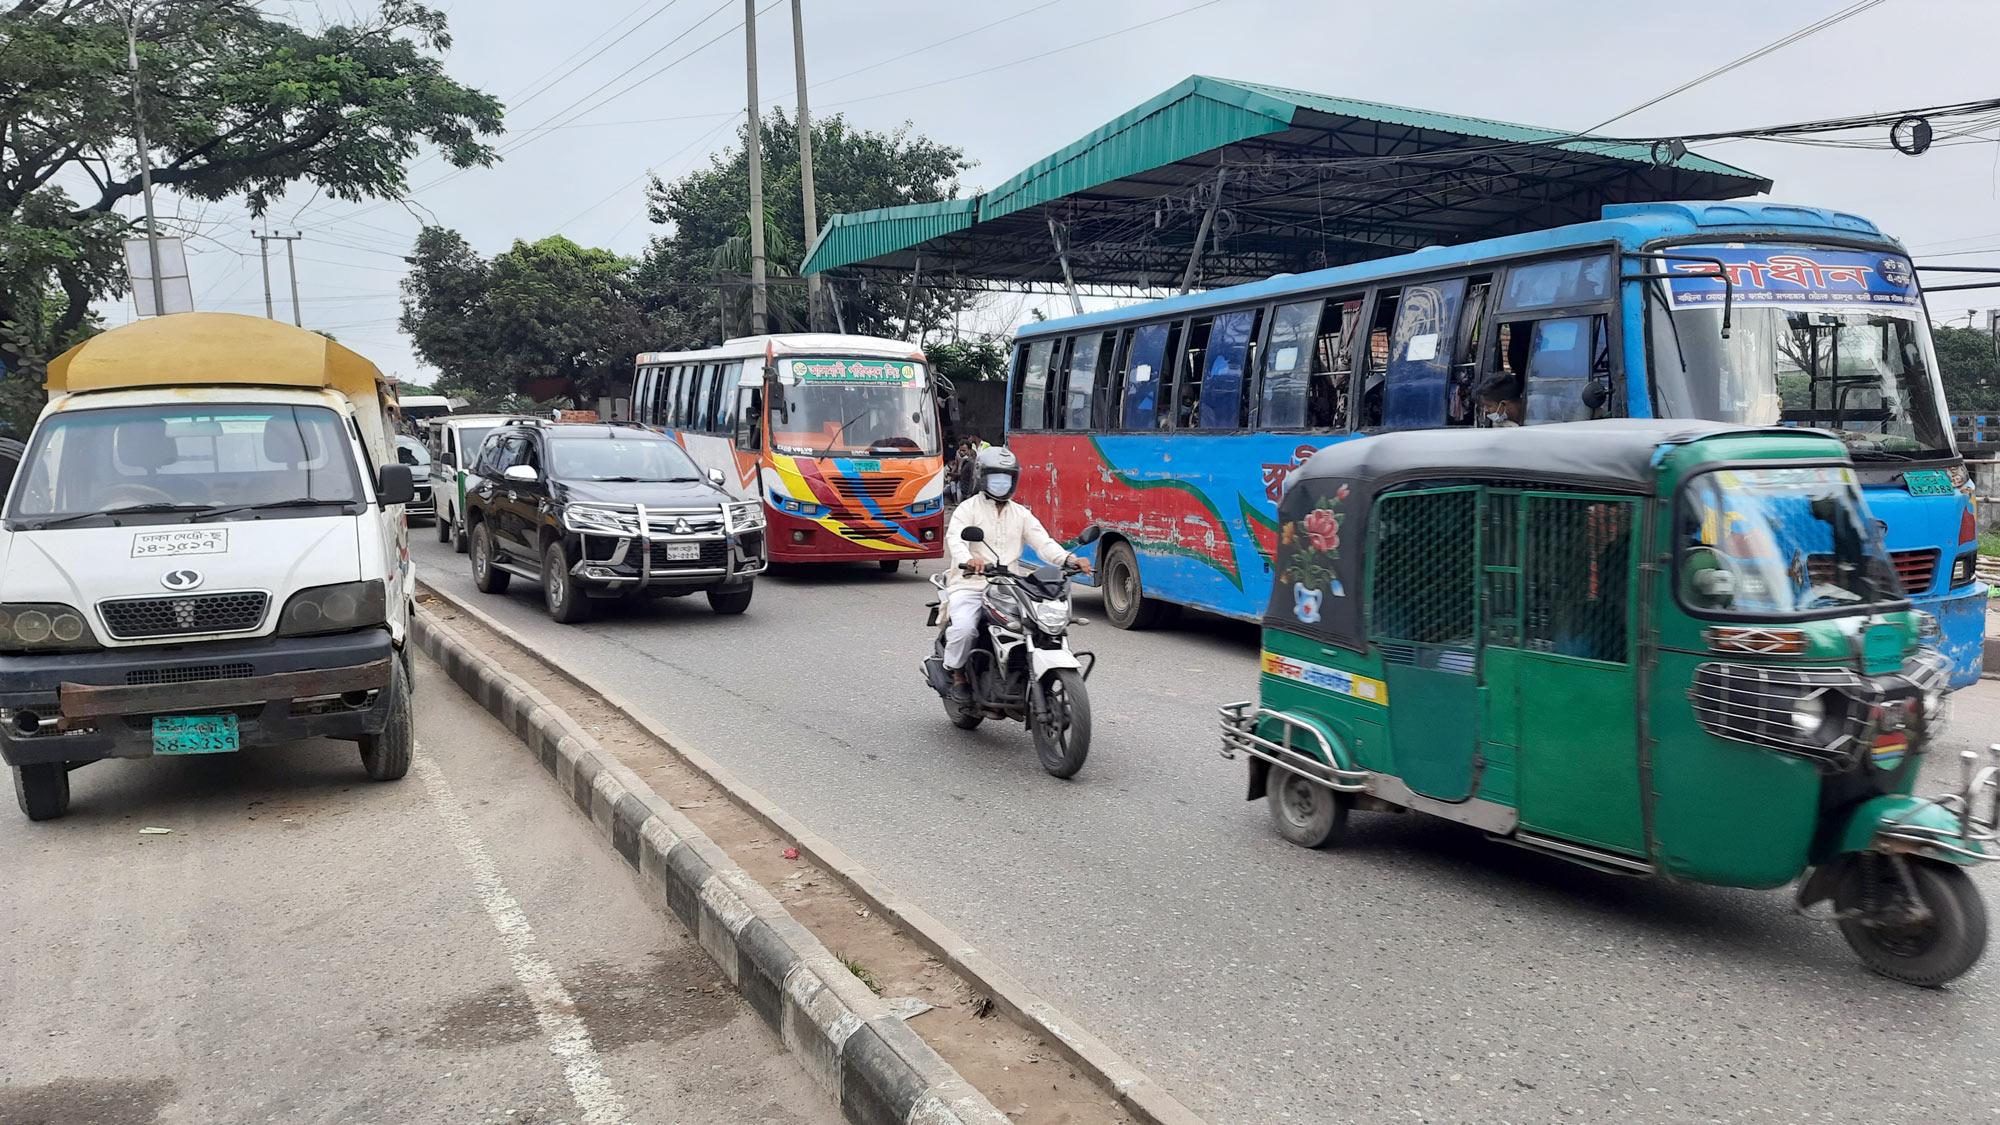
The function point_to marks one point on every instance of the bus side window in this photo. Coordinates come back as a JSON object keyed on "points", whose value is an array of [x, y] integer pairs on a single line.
{"points": [[1333, 365], [1420, 357], [1288, 365], [1085, 356], [1564, 355], [1376, 360], [1187, 392], [1221, 396], [1029, 412], [1110, 379], [749, 419], [704, 406], [1145, 365]]}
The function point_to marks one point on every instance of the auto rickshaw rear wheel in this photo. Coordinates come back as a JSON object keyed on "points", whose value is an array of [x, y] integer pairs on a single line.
{"points": [[1306, 813], [1873, 901]]}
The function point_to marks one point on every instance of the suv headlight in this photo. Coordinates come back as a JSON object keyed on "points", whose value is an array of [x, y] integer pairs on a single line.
{"points": [[43, 627], [745, 515], [604, 521], [339, 608]]}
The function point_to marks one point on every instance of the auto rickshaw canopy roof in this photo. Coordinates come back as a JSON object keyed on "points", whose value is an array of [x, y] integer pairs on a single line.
{"points": [[211, 349]]}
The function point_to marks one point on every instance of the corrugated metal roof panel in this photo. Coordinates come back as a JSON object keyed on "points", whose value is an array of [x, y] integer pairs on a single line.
{"points": [[866, 234]]}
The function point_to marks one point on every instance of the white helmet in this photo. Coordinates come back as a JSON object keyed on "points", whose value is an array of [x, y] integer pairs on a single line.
{"points": [[999, 471]]}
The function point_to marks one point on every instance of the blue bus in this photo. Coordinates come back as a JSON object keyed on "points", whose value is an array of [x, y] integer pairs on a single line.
{"points": [[1173, 423]]}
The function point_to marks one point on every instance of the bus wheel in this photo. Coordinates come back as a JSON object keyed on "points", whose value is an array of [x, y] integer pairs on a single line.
{"points": [[889, 566], [1309, 815], [1125, 600], [1927, 951]]}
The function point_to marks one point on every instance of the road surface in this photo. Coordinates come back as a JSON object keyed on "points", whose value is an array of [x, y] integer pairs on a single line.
{"points": [[1419, 973], [307, 946]]}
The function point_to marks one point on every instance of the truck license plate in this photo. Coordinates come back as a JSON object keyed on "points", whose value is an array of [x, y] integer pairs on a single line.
{"points": [[194, 734], [683, 552]]}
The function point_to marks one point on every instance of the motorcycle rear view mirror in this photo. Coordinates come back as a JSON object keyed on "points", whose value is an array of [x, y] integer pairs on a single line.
{"points": [[1090, 535], [973, 535]]}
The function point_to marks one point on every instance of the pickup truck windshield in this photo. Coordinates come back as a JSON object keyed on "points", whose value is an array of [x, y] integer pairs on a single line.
{"points": [[174, 459]]}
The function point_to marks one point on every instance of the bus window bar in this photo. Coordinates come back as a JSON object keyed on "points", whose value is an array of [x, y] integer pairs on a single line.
{"points": [[1239, 736], [1721, 271]]}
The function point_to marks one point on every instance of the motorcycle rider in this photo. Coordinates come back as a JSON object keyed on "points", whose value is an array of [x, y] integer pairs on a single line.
{"points": [[1008, 527]]}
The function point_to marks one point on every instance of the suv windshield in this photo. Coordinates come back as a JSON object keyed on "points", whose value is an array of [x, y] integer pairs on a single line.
{"points": [[620, 457], [854, 406], [167, 459], [1780, 541]]}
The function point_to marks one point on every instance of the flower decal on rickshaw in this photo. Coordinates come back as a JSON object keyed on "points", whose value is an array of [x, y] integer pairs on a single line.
{"points": [[1311, 545]]}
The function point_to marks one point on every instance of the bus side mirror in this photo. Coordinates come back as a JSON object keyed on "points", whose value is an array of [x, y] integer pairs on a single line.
{"points": [[1596, 393]]}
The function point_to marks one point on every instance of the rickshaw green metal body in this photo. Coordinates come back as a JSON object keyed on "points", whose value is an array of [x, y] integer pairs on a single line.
{"points": [[1656, 648]]}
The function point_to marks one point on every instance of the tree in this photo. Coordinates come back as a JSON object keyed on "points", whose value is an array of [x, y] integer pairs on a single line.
{"points": [[1968, 368], [705, 212], [541, 320], [237, 102], [968, 361]]}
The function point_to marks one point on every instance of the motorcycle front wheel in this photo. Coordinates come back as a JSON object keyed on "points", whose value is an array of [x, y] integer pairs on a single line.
{"points": [[1059, 716]]}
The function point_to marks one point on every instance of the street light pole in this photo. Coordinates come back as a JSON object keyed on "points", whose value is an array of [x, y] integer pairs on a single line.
{"points": [[145, 157], [806, 162], [760, 309]]}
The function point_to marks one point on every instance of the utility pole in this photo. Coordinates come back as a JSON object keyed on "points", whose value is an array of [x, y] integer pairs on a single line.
{"points": [[291, 264], [760, 314], [292, 267], [264, 260], [806, 162], [145, 158]]}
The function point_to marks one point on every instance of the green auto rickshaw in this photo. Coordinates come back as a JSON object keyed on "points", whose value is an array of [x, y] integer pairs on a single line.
{"points": [[1671, 649]]}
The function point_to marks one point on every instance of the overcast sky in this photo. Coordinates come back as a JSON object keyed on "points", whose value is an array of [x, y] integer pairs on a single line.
{"points": [[1563, 64]]}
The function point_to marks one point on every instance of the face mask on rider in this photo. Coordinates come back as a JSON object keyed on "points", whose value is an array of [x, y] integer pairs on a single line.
{"points": [[999, 485]]}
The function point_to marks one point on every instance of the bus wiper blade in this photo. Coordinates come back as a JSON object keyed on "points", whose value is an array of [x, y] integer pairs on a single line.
{"points": [[295, 502], [1879, 455], [128, 509]]}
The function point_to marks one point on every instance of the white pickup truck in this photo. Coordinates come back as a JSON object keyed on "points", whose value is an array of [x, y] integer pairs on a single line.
{"points": [[203, 551]]}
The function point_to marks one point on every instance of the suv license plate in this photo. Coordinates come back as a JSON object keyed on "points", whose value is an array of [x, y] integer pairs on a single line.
{"points": [[683, 552], [194, 734]]}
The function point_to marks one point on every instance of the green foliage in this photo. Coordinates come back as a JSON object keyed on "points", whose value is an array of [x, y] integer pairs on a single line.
{"points": [[237, 102], [706, 216], [1989, 543], [544, 319], [1969, 368], [968, 360]]}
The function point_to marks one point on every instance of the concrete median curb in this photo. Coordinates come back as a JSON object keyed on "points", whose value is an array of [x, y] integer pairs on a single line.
{"points": [[1135, 1090], [851, 1043]]}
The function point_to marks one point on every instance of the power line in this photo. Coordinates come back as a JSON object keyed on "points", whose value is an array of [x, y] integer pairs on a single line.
{"points": [[543, 88]]}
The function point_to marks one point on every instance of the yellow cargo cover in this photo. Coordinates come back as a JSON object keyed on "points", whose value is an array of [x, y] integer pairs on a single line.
{"points": [[210, 349]]}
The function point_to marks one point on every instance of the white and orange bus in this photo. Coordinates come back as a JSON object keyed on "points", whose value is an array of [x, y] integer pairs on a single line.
{"points": [[838, 435]]}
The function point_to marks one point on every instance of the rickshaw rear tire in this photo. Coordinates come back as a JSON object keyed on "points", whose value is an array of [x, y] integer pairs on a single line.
{"points": [[1958, 913], [1304, 813]]}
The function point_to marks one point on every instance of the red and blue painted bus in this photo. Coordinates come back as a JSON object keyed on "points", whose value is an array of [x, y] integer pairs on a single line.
{"points": [[1174, 423], [838, 435]]}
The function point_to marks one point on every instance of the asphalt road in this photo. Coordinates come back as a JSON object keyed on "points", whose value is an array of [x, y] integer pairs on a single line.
{"points": [[1419, 973], [307, 946]]}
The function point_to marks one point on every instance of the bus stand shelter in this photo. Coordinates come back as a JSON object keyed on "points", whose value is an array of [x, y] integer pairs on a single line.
{"points": [[1217, 182]]}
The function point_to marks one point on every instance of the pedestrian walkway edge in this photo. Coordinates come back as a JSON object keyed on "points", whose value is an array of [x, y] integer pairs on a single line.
{"points": [[854, 1047], [1134, 1089]]}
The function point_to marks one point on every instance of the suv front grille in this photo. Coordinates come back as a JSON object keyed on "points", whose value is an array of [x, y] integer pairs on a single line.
{"points": [[707, 522], [131, 619]]}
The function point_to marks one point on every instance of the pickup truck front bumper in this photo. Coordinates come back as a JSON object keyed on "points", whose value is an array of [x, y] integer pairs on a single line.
{"points": [[621, 563], [83, 706]]}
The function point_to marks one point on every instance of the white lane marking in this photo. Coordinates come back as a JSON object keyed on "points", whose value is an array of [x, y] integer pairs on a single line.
{"points": [[568, 1038]]}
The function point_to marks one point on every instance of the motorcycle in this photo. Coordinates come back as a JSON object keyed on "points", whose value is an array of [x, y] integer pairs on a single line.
{"points": [[1021, 666]]}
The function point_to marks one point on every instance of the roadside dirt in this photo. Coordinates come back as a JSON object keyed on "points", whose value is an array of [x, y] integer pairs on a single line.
{"points": [[1010, 1063]]}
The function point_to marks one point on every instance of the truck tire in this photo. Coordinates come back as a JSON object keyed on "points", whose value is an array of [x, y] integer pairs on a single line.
{"points": [[386, 756], [42, 791], [730, 600], [1125, 600], [489, 578], [566, 604]]}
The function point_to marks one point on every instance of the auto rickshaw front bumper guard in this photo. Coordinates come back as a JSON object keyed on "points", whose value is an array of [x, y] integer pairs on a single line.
{"points": [[1834, 717], [1961, 827], [1239, 736]]}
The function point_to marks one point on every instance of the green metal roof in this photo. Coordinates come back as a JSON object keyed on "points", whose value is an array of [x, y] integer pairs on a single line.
{"points": [[1479, 178]]}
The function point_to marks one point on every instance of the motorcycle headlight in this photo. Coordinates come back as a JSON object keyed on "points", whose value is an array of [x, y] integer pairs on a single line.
{"points": [[43, 627], [339, 608], [746, 515], [603, 521], [1053, 617]]}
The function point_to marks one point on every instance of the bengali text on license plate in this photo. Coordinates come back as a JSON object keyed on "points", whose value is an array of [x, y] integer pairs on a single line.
{"points": [[683, 552], [194, 734]]}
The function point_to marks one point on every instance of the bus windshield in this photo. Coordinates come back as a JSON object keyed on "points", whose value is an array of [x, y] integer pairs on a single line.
{"points": [[886, 412], [1866, 374]]}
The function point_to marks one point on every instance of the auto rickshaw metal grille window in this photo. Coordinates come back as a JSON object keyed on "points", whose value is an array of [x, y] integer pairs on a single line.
{"points": [[1578, 575], [1424, 574], [1501, 569]]}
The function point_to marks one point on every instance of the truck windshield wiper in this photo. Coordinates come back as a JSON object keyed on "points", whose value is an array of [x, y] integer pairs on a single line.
{"points": [[294, 502], [126, 510]]}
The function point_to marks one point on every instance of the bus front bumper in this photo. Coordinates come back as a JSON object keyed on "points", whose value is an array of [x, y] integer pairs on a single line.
{"points": [[795, 539], [1961, 616]]}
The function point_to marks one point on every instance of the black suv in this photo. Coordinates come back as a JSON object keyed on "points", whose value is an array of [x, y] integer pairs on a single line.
{"points": [[595, 511]]}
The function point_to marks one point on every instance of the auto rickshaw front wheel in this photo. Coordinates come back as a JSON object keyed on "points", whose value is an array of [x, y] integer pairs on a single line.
{"points": [[1927, 947], [1305, 813]]}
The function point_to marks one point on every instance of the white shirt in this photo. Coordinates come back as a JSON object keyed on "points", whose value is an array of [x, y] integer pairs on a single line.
{"points": [[1008, 528]]}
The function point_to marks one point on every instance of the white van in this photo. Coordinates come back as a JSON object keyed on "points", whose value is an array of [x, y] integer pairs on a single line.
{"points": [[204, 551], [454, 444]]}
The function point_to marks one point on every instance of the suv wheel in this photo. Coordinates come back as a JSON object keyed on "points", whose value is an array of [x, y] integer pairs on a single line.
{"points": [[489, 578], [730, 600], [566, 603], [443, 522]]}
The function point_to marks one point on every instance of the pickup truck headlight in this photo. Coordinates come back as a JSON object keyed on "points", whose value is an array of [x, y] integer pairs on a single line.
{"points": [[43, 627], [585, 518], [340, 608], [746, 515]]}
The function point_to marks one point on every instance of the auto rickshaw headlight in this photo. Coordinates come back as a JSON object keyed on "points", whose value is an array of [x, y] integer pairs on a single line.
{"points": [[1809, 713]]}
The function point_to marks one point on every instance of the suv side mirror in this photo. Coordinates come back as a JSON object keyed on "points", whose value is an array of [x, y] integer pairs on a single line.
{"points": [[521, 474], [394, 484], [716, 478]]}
